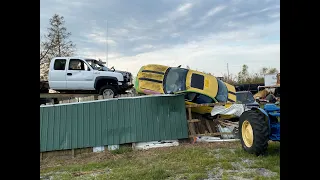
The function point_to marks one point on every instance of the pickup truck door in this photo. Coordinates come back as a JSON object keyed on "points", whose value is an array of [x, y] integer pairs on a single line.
{"points": [[57, 74], [79, 75]]}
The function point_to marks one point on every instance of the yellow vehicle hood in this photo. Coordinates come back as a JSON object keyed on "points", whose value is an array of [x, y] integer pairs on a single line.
{"points": [[151, 78]]}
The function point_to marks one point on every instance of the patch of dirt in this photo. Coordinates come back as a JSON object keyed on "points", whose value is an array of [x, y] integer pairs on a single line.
{"points": [[247, 161], [107, 171], [49, 176], [265, 172], [237, 166], [218, 156], [92, 173], [216, 173]]}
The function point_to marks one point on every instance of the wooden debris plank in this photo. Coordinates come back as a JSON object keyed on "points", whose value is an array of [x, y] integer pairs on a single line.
{"points": [[209, 126], [193, 120], [207, 104], [228, 124], [210, 134], [191, 125]]}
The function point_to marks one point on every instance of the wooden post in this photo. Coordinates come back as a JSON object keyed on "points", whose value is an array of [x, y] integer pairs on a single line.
{"points": [[208, 125], [191, 125], [72, 152]]}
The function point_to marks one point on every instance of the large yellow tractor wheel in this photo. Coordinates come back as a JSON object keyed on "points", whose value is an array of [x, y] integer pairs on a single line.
{"points": [[253, 132]]}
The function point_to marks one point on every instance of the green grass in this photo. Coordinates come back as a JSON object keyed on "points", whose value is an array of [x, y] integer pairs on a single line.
{"points": [[198, 161], [121, 150]]}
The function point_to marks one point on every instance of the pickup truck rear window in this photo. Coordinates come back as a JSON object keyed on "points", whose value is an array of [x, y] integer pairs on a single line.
{"points": [[59, 64]]}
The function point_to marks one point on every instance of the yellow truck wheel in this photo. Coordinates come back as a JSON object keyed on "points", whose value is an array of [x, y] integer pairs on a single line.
{"points": [[253, 132]]}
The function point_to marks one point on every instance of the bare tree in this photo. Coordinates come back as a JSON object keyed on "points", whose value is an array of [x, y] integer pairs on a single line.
{"points": [[56, 42], [44, 49]]}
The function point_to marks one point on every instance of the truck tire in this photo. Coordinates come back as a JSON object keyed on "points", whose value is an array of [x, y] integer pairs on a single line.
{"points": [[253, 132], [108, 90]]}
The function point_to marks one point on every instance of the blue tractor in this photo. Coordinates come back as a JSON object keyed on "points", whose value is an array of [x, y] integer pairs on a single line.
{"points": [[257, 126]]}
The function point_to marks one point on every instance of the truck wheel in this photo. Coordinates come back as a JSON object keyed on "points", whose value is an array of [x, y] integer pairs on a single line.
{"points": [[108, 91], [253, 132]]}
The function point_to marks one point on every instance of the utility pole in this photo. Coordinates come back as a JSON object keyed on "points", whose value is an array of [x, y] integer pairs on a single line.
{"points": [[107, 43], [228, 70]]}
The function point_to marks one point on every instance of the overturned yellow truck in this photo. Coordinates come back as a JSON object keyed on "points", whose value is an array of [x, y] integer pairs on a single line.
{"points": [[198, 87]]}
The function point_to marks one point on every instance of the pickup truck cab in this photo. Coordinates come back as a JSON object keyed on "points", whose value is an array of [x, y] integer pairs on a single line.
{"points": [[76, 74]]}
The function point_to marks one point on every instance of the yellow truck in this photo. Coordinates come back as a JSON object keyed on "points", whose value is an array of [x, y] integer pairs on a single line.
{"points": [[198, 87]]}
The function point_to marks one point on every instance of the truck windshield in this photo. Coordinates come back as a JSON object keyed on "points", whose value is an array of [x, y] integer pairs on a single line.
{"points": [[245, 97], [175, 80], [93, 63], [222, 95]]}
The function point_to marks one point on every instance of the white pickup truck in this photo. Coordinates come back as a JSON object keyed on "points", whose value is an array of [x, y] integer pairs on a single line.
{"points": [[75, 74]]}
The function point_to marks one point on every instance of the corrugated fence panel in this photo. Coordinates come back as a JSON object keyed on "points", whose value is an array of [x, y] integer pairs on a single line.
{"points": [[112, 121]]}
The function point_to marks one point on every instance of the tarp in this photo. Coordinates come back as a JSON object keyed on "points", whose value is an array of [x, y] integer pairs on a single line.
{"points": [[234, 109]]}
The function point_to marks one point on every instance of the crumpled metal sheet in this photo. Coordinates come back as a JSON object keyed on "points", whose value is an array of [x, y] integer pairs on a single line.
{"points": [[228, 129], [234, 109], [156, 144]]}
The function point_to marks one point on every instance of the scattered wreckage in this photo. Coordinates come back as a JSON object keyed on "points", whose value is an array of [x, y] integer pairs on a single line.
{"points": [[202, 91], [217, 108], [215, 100]]}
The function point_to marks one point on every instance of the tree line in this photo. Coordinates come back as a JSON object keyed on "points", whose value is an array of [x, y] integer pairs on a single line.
{"points": [[244, 77]]}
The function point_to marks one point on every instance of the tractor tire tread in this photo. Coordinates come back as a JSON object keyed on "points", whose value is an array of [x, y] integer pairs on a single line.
{"points": [[260, 132]]}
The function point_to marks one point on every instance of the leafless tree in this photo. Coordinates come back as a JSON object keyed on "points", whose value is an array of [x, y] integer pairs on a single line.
{"points": [[56, 42]]}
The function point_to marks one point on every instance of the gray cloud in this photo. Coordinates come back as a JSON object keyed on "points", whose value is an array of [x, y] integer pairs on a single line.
{"points": [[143, 26]]}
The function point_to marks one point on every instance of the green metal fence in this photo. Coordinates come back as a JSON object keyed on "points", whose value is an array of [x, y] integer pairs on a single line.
{"points": [[112, 121]]}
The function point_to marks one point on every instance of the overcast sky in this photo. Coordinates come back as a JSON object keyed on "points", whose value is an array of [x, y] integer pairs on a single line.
{"points": [[204, 34]]}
